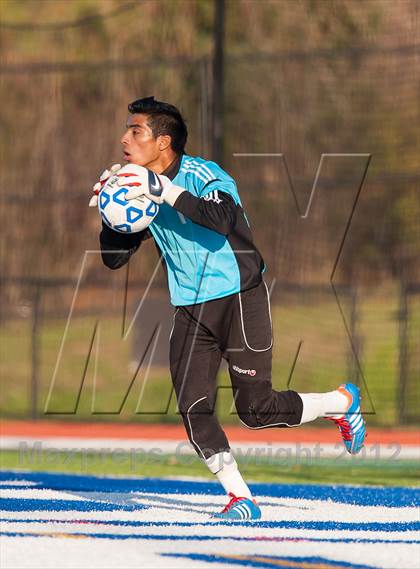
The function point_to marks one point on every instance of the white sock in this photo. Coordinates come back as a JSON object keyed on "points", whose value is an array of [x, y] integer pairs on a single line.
{"points": [[224, 466], [330, 404]]}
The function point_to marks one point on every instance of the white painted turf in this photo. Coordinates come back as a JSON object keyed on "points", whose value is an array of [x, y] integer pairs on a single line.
{"points": [[294, 532]]}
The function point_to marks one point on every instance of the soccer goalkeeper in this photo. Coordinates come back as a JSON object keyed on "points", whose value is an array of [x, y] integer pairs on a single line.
{"points": [[222, 305]]}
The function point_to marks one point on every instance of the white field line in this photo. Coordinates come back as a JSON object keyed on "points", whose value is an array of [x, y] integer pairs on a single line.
{"points": [[88, 553], [66, 551]]}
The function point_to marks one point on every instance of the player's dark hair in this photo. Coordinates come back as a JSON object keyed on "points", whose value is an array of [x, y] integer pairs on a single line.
{"points": [[164, 118]]}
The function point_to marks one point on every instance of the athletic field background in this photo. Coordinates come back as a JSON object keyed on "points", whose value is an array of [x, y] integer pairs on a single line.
{"points": [[289, 84], [326, 358], [269, 90]]}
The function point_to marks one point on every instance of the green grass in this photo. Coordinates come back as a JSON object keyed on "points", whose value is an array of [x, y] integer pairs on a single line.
{"points": [[319, 471], [325, 360]]}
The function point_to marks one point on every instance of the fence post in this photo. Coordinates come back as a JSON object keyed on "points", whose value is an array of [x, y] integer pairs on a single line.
{"points": [[356, 344], [218, 81], [36, 313], [402, 358], [205, 87]]}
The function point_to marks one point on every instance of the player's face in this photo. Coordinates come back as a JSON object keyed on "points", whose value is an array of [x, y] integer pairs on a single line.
{"points": [[139, 145]]}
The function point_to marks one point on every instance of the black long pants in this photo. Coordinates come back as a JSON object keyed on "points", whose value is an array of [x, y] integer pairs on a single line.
{"points": [[238, 328]]}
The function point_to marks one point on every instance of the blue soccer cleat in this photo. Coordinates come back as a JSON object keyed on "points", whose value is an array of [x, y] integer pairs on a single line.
{"points": [[351, 425], [239, 509]]}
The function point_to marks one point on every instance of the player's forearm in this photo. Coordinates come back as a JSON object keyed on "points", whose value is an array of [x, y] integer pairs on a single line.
{"points": [[218, 214], [117, 248]]}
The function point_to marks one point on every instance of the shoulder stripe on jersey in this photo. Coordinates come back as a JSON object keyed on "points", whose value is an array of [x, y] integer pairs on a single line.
{"points": [[205, 180], [199, 172], [207, 169], [190, 162], [193, 167], [199, 167]]}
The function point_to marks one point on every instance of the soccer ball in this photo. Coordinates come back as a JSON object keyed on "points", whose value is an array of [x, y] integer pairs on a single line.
{"points": [[127, 216]]}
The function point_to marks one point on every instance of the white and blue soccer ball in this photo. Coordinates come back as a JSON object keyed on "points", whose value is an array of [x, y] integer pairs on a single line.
{"points": [[126, 216]]}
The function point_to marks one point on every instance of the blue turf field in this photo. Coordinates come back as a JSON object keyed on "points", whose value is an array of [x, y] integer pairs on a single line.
{"points": [[167, 523]]}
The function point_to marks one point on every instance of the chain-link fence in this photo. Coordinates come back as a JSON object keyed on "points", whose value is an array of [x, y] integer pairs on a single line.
{"points": [[339, 234]]}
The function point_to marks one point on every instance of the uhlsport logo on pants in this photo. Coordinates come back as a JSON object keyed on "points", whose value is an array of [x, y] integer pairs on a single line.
{"points": [[250, 372]]}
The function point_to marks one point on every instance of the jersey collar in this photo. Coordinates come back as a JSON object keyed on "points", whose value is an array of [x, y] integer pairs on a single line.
{"points": [[172, 170]]}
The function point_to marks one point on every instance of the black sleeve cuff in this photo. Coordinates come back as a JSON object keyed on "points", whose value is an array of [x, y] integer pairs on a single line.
{"points": [[116, 240]]}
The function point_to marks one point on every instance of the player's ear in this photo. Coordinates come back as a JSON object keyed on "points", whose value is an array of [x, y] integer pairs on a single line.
{"points": [[164, 141]]}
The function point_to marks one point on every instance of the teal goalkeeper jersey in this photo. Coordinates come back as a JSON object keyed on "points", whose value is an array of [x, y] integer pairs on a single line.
{"points": [[204, 239]]}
